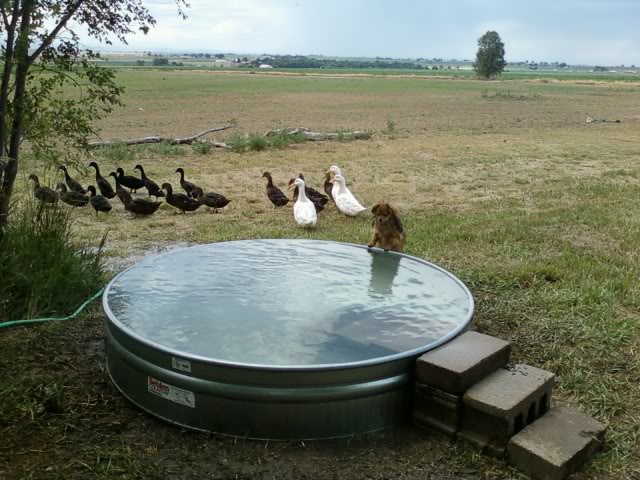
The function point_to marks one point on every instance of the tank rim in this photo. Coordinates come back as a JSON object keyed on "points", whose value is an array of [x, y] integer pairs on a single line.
{"points": [[463, 326]]}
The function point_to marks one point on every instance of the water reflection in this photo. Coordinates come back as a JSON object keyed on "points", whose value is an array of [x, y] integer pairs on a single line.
{"points": [[384, 268], [286, 302]]}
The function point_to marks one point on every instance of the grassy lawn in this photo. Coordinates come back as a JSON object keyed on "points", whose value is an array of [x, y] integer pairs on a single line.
{"points": [[534, 209]]}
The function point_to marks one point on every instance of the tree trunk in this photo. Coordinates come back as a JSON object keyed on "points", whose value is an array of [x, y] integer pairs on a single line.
{"points": [[6, 78], [22, 69]]}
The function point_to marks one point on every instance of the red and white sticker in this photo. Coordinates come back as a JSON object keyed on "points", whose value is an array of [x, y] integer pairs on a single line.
{"points": [[171, 393]]}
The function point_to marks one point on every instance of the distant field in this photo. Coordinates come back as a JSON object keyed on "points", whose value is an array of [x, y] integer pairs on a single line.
{"points": [[502, 182]]}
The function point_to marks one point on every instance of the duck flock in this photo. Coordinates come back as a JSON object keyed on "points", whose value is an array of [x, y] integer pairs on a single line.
{"points": [[307, 202]]}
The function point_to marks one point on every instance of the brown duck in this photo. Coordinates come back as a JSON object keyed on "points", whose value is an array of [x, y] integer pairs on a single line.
{"points": [[75, 199], [73, 185], [274, 194], [44, 194], [328, 186], [210, 199]]}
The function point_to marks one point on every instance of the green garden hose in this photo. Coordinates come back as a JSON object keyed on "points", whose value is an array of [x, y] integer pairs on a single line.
{"points": [[52, 319]]}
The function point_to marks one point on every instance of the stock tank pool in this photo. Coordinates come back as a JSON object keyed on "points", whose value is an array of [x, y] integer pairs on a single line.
{"points": [[278, 339]]}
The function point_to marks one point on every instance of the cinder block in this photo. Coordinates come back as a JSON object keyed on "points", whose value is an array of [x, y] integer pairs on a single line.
{"points": [[502, 404], [463, 361], [437, 410], [556, 445]]}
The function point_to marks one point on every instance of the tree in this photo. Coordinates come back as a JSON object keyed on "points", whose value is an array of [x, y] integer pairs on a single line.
{"points": [[490, 56], [41, 54], [160, 62]]}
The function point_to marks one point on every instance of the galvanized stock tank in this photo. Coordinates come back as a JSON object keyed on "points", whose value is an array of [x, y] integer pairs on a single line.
{"points": [[278, 339]]}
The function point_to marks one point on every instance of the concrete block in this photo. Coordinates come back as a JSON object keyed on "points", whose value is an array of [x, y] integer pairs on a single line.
{"points": [[437, 410], [502, 404], [556, 445], [463, 361]]}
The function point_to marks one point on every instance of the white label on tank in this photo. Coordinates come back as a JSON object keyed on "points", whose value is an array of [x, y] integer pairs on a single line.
{"points": [[171, 393], [180, 364]]}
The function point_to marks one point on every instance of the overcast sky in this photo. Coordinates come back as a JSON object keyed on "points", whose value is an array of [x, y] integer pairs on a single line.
{"points": [[603, 32]]}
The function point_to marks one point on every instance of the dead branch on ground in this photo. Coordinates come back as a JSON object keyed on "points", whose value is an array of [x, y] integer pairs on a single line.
{"points": [[159, 139], [319, 136]]}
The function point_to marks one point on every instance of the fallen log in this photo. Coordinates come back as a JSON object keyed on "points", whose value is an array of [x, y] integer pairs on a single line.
{"points": [[159, 139], [319, 136]]}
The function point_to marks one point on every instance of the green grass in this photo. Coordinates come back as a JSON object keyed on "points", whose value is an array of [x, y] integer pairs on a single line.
{"points": [[45, 271], [534, 209]]}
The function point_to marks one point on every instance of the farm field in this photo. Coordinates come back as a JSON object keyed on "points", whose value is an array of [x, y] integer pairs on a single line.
{"points": [[503, 183]]}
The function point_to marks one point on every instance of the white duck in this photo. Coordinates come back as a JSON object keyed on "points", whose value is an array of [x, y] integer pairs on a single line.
{"points": [[345, 201], [304, 211], [334, 170]]}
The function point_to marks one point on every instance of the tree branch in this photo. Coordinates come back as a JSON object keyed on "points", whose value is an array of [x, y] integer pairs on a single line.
{"points": [[54, 33]]}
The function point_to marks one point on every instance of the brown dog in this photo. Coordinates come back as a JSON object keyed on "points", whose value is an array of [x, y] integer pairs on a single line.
{"points": [[387, 229]]}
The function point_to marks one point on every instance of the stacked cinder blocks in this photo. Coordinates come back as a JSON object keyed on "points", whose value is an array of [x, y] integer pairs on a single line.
{"points": [[466, 389]]}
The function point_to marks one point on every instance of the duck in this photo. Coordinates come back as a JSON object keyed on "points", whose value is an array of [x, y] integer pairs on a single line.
{"points": [[345, 201], [75, 199], [274, 194], [122, 194], [332, 172], [210, 199], [186, 186], [151, 186], [304, 210], [180, 200], [103, 184], [312, 194], [73, 185], [319, 200], [328, 185], [137, 206], [129, 181], [98, 202], [44, 194]]}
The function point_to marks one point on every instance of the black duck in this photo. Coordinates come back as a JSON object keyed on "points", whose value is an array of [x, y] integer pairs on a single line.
{"points": [[210, 199], [103, 184], [318, 199], [274, 194], [151, 186], [319, 206], [73, 185], [75, 199], [186, 186], [129, 181], [121, 192], [98, 202], [137, 206], [44, 194], [180, 200]]}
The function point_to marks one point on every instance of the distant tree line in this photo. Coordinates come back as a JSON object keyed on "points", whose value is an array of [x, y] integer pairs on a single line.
{"points": [[302, 61]]}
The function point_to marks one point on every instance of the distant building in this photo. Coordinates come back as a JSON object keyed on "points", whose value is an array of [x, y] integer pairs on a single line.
{"points": [[264, 65]]}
